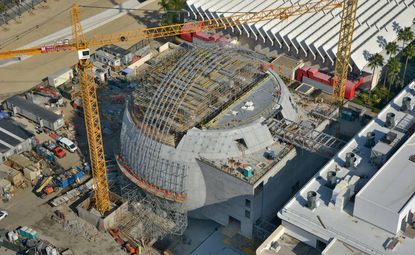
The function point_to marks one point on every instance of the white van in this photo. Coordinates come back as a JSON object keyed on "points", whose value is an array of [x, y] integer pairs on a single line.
{"points": [[67, 144]]}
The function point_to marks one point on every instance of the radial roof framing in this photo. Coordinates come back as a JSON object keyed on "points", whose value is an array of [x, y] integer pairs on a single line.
{"points": [[317, 33], [189, 86]]}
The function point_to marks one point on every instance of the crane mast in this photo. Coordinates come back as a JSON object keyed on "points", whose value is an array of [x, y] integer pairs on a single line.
{"points": [[91, 115], [86, 76], [344, 48]]}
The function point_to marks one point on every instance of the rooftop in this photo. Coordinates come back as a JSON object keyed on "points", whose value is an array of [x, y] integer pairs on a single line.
{"points": [[11, 134], [259, 162], [327, 220], [259, 102], [114, 50], [28, 106], [397, 187], [288, 62]]}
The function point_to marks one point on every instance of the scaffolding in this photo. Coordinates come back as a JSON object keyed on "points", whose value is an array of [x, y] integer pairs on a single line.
{"points": [[305, 137], [151, 218], [180, 89]]}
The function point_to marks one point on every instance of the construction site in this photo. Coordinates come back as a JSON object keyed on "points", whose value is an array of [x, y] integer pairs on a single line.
{"points": [[188, 134]]}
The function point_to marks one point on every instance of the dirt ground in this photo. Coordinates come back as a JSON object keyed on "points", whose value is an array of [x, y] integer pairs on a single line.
{"points": [[25, 209], [28, 73]]}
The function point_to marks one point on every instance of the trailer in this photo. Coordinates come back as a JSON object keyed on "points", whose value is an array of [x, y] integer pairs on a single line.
{"points": [[69, 177]]}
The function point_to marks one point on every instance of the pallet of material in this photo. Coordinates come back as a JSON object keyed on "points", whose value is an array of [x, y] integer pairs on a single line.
{"points": [[72, 194]]}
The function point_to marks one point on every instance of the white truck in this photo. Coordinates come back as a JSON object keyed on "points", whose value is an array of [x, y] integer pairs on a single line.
{"points": [[67, 144]]}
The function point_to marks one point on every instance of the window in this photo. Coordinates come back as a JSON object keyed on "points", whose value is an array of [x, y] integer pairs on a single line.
{"points": [[247, 214], [247, 203]]}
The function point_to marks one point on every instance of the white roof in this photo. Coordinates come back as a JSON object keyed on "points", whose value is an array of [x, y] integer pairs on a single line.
{"points": [[393, 186], [342, 224], [376, 21]]}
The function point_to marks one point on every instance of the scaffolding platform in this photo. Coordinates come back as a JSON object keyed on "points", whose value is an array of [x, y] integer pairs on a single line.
{"points": [[306, 137]]}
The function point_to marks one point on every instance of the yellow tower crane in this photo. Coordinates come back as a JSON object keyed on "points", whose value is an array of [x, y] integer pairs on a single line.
{"points": [[86, 78]]}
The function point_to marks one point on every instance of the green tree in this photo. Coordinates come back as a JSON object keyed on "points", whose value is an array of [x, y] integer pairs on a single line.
{"points": [[394, 68], [409, 53], [375, 61], [405, 35], [391, 49], [173, 9]]}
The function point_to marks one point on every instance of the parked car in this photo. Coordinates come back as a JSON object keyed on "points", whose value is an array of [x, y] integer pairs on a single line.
{"points": [[67, 144], [59, 152], [3, 214]]}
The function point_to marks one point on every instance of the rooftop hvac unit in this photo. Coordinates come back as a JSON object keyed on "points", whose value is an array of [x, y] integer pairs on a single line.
{"points": [[390, 120], [406, 104], [389, 137], [331, 179], [351, 160], [311, 199], [370, 139], [275, 247]]}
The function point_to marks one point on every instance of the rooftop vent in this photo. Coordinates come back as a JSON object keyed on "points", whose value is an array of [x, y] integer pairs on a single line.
{"points": [[350, 160], [331, 179], [370, 139], [390, 120], [389, 137], [406, 104], [311, 199]]}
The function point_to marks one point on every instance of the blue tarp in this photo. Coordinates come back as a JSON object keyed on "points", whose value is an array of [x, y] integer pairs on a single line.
{"points": [[127, 70]]}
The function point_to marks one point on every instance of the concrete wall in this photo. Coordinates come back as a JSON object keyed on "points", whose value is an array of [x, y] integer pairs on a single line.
{"points": [[114, 218], [84, 214], [60, 78], [141, 61], [300, 234], [225, 196], [376, 215], [111, 220], [319, 85]]}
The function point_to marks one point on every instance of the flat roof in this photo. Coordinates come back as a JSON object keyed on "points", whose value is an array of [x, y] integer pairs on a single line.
{"points": [[38, 110], [3, 148], [12, 134], [336, 247], [395, 181], [14, 128], [111, 48], [239, 112], [289, 62], [342, 224], [257, 160]]}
